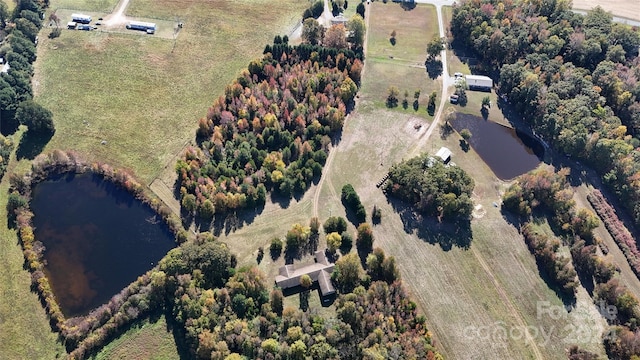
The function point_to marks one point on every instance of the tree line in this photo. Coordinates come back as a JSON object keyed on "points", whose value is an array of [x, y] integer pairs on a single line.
{"points": [[270, 130], [18, 39], [544, 193], [573, 78]]}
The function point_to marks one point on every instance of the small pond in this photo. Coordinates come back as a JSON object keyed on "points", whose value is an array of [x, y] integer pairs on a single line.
{"points": [[508, 152], [98, 239]]}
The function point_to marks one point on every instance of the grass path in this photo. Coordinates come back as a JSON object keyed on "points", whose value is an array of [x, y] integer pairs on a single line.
{"points": [[505, 298]]}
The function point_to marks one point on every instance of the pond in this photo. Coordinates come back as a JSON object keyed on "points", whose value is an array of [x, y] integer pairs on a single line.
{"points": [[98, 239], [508, 152]]}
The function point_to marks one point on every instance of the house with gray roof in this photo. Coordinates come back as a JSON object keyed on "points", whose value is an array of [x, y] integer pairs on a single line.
{"points": [[320, 271]]}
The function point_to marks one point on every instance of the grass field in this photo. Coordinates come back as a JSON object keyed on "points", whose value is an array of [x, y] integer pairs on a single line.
{"points": [[141, 94], [629, 9], [150, 340], [24, 327], [101, 6], [402, 64], [143, 97], [454, 64]]}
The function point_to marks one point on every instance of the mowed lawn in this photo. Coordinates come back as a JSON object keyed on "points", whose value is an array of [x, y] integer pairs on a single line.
{"points": [[134, 100], [402, 64]]}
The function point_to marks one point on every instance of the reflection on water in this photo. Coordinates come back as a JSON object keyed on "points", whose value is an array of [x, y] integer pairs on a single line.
{"points": [[98, 239], [508, 152]]}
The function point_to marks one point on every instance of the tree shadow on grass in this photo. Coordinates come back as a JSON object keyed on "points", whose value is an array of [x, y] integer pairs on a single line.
{"points": [[32, 144], [8, 124], [447, 234], [434, 68], [230, 222]]}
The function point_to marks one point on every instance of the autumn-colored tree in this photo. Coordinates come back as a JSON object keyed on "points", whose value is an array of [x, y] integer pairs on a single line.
{"points": [[312, 31], [305, 281], [277, 301], [357, 30], [434, 47], [297, 237], [347, 272], [334, 241], [364, 239], [336, 37]]}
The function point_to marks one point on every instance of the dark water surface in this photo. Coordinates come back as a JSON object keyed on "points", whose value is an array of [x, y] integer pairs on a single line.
{"points": [[508, 152], [98, 239]]}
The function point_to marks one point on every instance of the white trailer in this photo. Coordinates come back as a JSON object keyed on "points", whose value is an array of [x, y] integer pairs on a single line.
{"points": [[479, 82], [81, 18], [150, 28]]}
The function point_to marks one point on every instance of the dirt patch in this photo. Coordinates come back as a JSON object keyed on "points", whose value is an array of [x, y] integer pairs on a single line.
{"points": [[478, 212], [416, 126]]}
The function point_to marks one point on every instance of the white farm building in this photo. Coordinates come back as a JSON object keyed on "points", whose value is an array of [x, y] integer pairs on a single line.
{"points": [[479, 82], [81, 18]]}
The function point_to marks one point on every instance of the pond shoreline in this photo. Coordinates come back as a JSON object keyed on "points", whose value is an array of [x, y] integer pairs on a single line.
{"points": [[58, 163]]}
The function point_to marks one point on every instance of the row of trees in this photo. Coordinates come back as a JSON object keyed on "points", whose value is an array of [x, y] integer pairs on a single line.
{"points": [[431, 187], [271, 129], [616, 228], [18, 49], [573, 78], [543, 193], [6, 147], [545, 250]]}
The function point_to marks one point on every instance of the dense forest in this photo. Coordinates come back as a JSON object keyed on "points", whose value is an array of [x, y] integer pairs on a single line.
{"points": [[271, 129], [573, 78], [432, 187]]}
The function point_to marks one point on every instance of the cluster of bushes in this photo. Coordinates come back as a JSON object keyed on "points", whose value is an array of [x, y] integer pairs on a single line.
{"points": [[93, 330], [546, 190], [545, 248], [431, 187], [6, 146], [270, 131], [616, 228], [574, 83], [352, 203]]}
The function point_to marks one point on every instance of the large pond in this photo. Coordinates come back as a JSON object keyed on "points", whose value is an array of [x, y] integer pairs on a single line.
{"points": [[508, 152], [98, 239]]}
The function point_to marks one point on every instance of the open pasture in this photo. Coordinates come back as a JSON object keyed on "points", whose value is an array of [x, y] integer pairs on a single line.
{"points": [[402, 64], [133, 100]]}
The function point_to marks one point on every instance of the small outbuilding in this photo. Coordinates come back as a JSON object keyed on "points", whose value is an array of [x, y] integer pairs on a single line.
{"points": [[479, 82], [71, 25], [444, 154], [340, 19]]}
